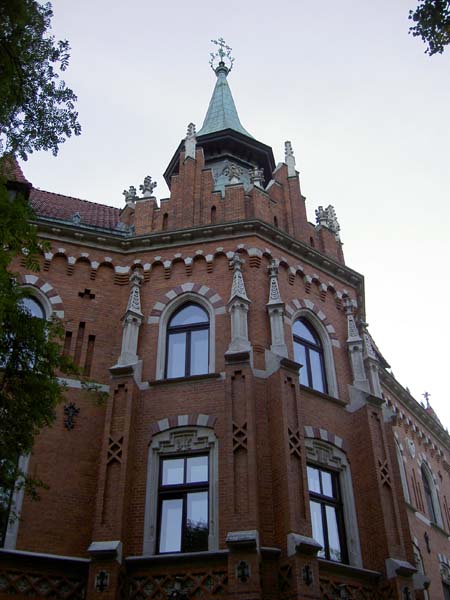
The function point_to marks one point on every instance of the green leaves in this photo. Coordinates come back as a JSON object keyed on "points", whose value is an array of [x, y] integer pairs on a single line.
{"points": [[36, 107], [432, 24]]}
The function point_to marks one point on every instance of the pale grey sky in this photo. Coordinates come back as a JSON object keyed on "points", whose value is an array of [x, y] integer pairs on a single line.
{"points": [[366, 110]]}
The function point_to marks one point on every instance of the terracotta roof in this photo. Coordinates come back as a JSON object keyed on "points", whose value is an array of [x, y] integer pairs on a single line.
{"points": [[57, 206], [12, 170]]}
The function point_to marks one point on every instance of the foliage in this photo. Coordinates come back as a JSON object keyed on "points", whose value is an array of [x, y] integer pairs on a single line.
{"points": [[30, 352], [432, 24], [36, 108]]}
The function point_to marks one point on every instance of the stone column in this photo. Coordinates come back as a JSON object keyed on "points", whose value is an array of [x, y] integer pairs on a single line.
{"points": [[275, 308], [238, 305], [372, 363]]}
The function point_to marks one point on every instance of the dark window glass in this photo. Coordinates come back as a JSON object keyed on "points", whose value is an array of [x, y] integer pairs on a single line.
{"points": [[428, 494], [188, 342], [446, 589], [183, 504], [326, 513], [308, 352]]}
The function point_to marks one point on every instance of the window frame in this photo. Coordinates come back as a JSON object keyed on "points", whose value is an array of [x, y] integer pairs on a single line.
{"points": [[431, 495], [309, 347], [187, 330], [335, 502], [166, 315], [179, 491], [171, 443], [328, 457]]}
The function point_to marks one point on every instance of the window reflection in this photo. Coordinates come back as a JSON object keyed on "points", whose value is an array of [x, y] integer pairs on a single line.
{"points": [[308, 352]]}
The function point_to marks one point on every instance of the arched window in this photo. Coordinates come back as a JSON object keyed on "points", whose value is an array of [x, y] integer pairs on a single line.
{"points": [[308, 352], [187, 342], [430, 494]]}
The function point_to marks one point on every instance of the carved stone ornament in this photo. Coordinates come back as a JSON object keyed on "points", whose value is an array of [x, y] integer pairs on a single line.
{"points": [[70, 412], [289, 159], [190, 141], [76, 218], [327, 218], [274, 290], [257, 177], [147, 187], [101, 581], [411, 447], [130, 194], [233, 172], [445, 573]]}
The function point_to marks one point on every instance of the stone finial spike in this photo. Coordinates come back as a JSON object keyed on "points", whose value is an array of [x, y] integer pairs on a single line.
{"points": [[275, 308], [238, 286], [134, 301], [289, 159], [190, 142], [274, 290], [147, 187]]}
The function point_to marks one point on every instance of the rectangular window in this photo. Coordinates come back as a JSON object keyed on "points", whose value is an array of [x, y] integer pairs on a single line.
{"points": [[326, 513], [183, 504]]}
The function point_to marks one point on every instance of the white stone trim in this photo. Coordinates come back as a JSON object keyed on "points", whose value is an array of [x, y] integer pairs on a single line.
{"points": [[163, 319], [181, 439], [16, 507]]}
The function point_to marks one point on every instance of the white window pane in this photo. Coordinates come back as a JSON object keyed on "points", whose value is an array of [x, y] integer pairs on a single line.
{"points": [[327, 486], [199, 352], [317, 526], [173, 471], [197, 469], [313, 480], [333, 534], [189, 315], [316, 371], [176, 356], [300, 357], [171, 515]]}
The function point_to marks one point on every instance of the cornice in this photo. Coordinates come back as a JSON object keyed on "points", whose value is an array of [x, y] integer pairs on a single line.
{"points": [[426, 420], [129, 244]]}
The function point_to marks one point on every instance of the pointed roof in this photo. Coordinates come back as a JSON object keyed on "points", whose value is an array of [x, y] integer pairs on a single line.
{"points": [[222, 113]]}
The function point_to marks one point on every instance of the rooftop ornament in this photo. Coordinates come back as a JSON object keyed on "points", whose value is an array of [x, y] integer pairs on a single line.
{"points": [[222, 59]]}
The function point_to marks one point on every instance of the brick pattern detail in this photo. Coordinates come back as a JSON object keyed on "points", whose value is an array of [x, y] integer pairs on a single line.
{"points": [[196, 288], [285, 578], [331, 589], [326, 436], [114, 450], [296, 304], [193, 420], [384, 472], [48, 290], [239, 437], [40, 585], [294, 443], [198, 585]]}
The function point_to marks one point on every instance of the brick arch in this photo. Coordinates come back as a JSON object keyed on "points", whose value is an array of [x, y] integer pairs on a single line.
{"points": [[326, 436], [194, 288], [192, 420], [296, 304], [47, 290]]}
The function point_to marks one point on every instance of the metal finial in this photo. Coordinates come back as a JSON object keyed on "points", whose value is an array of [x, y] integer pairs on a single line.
{"points": [[222, 58], [426, 395]]}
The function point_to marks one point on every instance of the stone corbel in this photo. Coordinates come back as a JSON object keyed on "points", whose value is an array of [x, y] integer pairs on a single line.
{"points": [[237, 540], [302, 544], [110, 550]]}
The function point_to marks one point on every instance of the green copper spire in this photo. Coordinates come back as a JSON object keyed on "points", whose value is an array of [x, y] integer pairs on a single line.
{"points": [[222, 113]]}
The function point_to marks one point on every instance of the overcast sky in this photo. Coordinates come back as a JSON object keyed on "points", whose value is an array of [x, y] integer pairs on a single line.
{"points": [[366, 110]]}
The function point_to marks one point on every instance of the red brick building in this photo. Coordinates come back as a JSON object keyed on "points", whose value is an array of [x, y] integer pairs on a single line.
{"points": [[253, 444]]}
